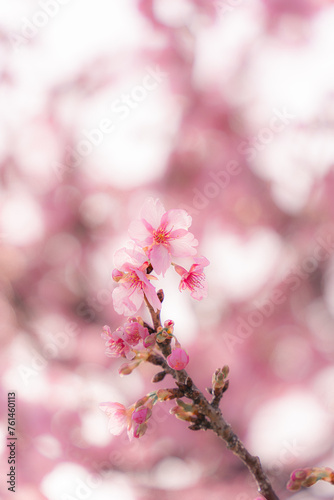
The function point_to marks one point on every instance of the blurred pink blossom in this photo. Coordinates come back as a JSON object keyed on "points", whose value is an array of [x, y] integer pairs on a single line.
{"points": [[119, 417]]}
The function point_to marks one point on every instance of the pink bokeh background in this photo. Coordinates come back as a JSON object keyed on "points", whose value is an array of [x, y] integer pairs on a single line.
{"points": [[225, 108]]}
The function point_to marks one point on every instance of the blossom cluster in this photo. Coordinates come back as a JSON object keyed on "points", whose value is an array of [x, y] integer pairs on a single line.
{"points": [[159, 240]]}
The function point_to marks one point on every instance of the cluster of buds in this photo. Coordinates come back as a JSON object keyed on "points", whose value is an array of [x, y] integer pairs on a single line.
{"points": [[309, 476]]}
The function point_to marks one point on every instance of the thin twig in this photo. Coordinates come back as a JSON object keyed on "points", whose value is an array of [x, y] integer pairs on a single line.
{"points": [[214, 419]]}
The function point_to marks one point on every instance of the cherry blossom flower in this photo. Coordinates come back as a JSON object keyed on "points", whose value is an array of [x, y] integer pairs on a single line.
{"points": [[134, 283], [178, 359], [119, 417], [116, 345], [121, 342], [134, 332], [163, 234], [194, 279]]}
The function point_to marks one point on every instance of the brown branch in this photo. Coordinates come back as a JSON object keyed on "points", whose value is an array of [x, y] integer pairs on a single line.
{"points": [[214, 419]]}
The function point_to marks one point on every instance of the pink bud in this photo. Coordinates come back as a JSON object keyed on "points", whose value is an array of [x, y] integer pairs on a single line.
{"points": [[299, 475], [116, 275], [139, 430], [149, 341], [178, 359], [169, 325], [140, 415]]}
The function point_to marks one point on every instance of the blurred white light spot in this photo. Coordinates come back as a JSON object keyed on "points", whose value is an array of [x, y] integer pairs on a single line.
{"points": [[21, 220], [228, 36], [241, 266], [173, 12], [173, 474], [295, 423], [136, 152], [94, 427], [72, 481], [68, 53], [179, 306]]}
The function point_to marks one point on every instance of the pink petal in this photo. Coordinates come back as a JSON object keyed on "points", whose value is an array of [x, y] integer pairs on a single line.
{"points": [[117, 417], [126, 301], [202, 261], [139, 232], [200, 293], [111, 408], [152, 211], [152, 297], [183, 247], [143, 277], [129, 256], [176, 219], [160, 259], [178, 233], [180, 270]]}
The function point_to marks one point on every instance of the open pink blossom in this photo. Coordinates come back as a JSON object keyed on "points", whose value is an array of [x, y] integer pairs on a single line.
{"points": [[194, 279], [121, 341], [116, 345], [163, 234], [134, 283], [119, 417], [134, 332], [178, 359]]}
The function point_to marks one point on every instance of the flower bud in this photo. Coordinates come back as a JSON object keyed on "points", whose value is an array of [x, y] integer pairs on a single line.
{"points": [[127, 368], [141, 415], [298, 475], [308, 476], [149, 341], [139, 430], [169, 326], [162, 336], [164, 395], [116, 275], [178, 359], [219, 378], [158, 377], [141, 402], [182, 414]]}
